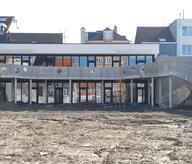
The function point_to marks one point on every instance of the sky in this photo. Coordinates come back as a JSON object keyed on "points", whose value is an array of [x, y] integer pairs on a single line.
{"points": [[68, 16]]}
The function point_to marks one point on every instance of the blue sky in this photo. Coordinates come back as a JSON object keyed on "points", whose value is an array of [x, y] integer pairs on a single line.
{"points": [[71, 15]]}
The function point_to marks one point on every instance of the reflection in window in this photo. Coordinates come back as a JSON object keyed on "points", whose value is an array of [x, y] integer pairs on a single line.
{"points": [[17, 60], [26, 60], [149, 59], [108, 61], [75, 61], [2, 58], [83, 61], [99, 61], [50, 61], [132, 60], [67, 62], [141, 58], [58, 61], [40, 61]]}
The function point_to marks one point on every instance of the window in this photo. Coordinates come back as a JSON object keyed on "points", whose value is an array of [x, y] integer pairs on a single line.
{"points": [[58, 61], [187, 31], [162, 40], [187, 49], [50, 60], [83, 61], [132, 60], [108, 35], [149, 59], [67, 62], [75, 61]]}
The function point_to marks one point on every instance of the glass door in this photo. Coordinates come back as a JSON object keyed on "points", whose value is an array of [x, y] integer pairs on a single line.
{"points": [[58, 95]]}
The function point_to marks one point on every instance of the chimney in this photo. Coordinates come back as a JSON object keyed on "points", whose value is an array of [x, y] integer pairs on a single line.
{"points": [[115, 29]]}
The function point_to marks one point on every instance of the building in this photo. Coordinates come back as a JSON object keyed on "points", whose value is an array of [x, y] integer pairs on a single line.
{"points": [[113, 71], [174, 40], [175, 45], [105, 36]]}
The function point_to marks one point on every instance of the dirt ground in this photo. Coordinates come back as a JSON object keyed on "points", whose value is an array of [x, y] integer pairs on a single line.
{"points": [[94, 137]]}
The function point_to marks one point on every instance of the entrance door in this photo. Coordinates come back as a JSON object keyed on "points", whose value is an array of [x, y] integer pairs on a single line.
{"points": [[141, 93], [108, 95], [58, 95]]}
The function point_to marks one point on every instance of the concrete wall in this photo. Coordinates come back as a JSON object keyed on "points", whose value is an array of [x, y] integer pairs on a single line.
{"points": [[184, 59], [176, 29], [168, 49]]}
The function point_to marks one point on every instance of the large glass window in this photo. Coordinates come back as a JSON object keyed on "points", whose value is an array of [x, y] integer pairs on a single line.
{"points": [[2, 58], [83, 61], [187, 49], [40, 61], [98, 92], [108, 61], [67, 61], [75, 61], [17, 60], [9, 59], [187, 31], [149, 59], [124, 60], [50, 60], [51, 92], [25, 60], [58, 61], [66, 92], [91, 61], [132, 60], [99, 61]]}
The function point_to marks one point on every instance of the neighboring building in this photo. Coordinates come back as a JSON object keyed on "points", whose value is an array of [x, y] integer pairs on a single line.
{"points": [[174, 40], [105, 36], [24, 38]]}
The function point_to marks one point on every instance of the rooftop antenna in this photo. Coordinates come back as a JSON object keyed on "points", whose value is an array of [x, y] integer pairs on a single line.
{"points": [[183, 14]]}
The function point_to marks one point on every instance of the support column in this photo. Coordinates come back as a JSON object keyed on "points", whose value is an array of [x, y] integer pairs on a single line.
{"points": [[131, 91], [15, 91], [149, 93], [30, 91], [46, 98], [170, 92], [160, 93], [152, 91], [70, 92], [102, 92], [12, 90]]}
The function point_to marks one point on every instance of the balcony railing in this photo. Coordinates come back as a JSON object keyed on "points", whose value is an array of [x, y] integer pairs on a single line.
{"points": [[157, 69]]}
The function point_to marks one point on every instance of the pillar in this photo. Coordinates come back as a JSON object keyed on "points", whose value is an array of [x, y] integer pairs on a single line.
{"points": [[152, 91], [30, 91], [15, 91], [131, 91], [46, 97], [12, 90], [102, 92], [160, 92], [149, 93], [170, 92], [70, 92]]}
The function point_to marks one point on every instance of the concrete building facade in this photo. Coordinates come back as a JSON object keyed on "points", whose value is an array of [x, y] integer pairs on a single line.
{"points": [[107, 70]]}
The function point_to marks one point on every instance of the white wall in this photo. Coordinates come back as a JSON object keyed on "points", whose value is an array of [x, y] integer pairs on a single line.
{"points": [[78, 49]]}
